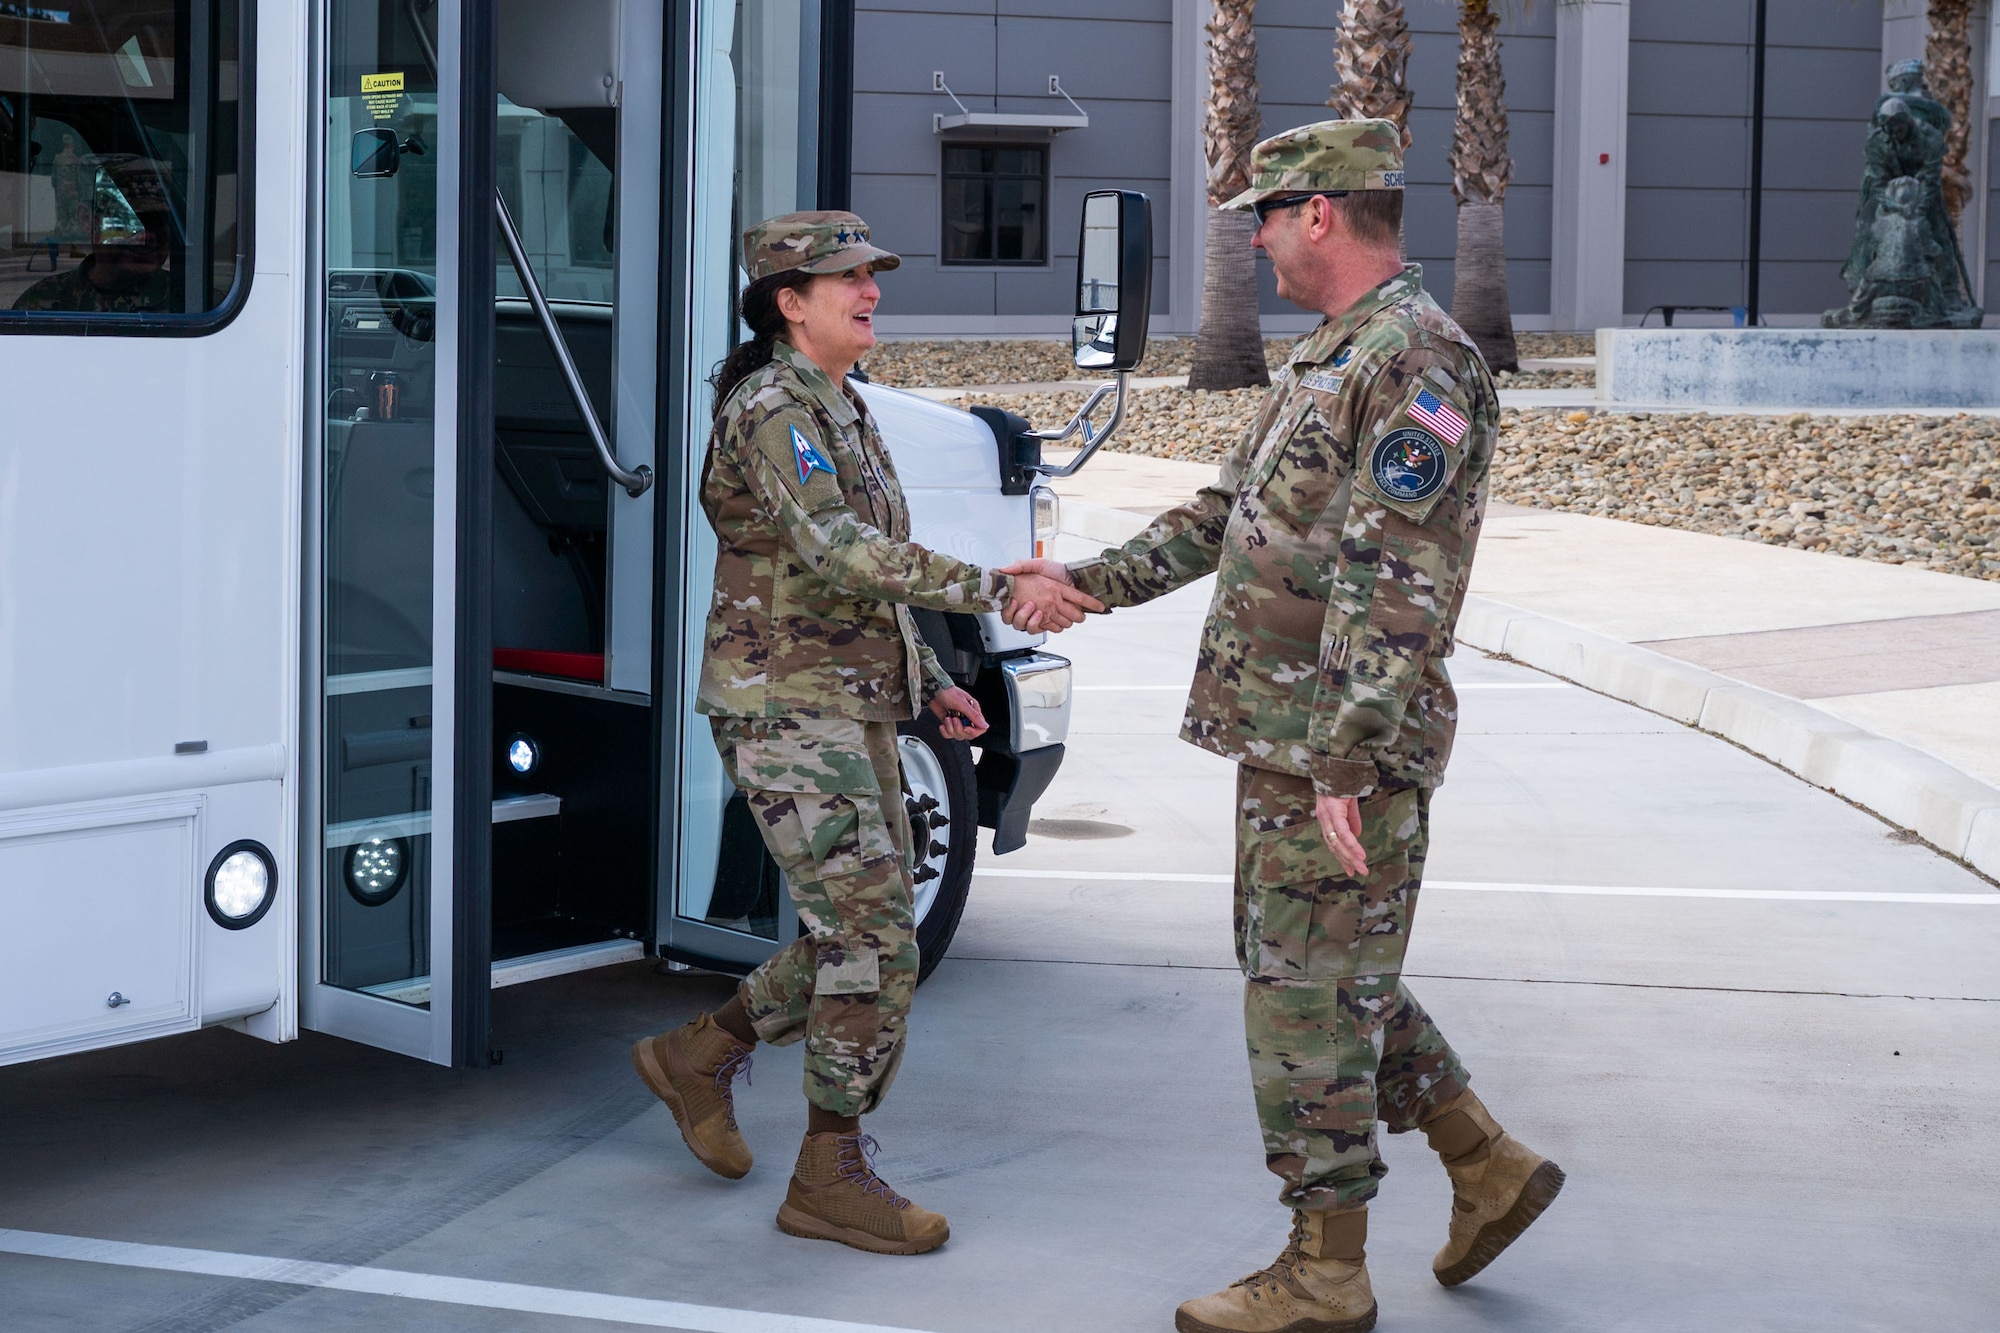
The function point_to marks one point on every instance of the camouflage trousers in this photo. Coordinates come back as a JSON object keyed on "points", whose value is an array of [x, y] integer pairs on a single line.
{"points": [[828, 797], [1337, 1043]]}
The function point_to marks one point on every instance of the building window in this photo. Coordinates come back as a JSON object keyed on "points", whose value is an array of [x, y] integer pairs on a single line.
{"points": [[995, 199]]}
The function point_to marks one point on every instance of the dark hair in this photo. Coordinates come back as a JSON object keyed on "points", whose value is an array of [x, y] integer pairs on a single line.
{"points": [[1374, 216], [757, 307]]}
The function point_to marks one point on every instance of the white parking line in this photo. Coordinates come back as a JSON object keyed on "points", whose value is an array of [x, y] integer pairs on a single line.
{"points": [[425, 1286], [1590, 890]]}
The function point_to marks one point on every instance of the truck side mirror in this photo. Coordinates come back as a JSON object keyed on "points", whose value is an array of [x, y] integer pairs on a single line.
{"points": [[377, 154], [1114, 280]]}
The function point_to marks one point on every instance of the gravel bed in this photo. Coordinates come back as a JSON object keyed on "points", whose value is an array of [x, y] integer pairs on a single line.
{"points": [[1898, 489], [1546, 379], [950, 363]]}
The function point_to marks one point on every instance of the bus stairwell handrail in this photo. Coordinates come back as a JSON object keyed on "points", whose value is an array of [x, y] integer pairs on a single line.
{"points": [[637, 480], [634, 480]]}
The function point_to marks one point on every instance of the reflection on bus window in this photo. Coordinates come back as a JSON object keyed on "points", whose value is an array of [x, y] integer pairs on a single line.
{"points": [[555, 173], [118, 156]]}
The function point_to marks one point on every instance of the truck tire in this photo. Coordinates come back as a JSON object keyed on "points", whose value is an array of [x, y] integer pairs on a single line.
{"points": [[943, 802]]}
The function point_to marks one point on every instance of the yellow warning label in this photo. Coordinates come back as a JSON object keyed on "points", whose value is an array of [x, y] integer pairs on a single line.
{"points": [[381, 92]]}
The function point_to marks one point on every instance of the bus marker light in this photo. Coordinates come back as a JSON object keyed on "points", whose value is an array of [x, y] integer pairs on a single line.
{"points": [[522, 755], [376, 869], [240, 885]]}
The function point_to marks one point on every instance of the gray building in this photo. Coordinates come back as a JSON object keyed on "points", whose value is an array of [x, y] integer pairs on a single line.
{"points": [[980, 124]]}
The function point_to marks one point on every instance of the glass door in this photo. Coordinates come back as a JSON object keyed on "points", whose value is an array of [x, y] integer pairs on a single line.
{"points": [[377, 854], [752, 150]]}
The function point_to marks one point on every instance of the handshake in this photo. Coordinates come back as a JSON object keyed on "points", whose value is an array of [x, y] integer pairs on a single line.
{"points": [[1044, 598]]}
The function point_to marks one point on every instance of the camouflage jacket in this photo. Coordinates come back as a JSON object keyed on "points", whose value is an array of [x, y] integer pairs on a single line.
{"points": [[74, 291], [815, 568], [1341, 529]]}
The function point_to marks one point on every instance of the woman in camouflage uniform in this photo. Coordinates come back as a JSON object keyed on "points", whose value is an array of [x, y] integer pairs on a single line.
{"points": [[812, 659]]}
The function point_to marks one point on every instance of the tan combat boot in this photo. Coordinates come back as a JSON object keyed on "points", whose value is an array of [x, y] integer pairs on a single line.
{"points": [[692, 1069], [836, 1195], [1318, 1285], [1498, 1186]]}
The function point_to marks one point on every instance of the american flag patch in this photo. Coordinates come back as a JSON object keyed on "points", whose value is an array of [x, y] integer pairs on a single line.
{"points": [[1444, 420]]}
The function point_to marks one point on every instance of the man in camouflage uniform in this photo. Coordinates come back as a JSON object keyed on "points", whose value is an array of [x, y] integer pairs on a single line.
{"points": [[125, 275], [812, 659], [1341, 531]]}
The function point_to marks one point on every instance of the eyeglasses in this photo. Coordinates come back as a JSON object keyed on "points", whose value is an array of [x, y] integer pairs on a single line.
{"points": [[1263, 208]]}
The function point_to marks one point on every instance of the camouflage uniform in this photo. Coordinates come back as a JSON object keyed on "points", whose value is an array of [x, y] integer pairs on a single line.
{"points": [[812, 659], [139, 185], [74, 291], [1341, 530]]}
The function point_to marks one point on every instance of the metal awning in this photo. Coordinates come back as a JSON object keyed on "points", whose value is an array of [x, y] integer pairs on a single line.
{"points": [[1008, 120], [968, 119]]}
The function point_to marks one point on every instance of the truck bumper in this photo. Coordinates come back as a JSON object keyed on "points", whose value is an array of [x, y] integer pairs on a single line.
{"points": [[1012, 779]]}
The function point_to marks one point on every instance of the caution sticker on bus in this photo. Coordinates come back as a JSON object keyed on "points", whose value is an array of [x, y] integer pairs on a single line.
{"points": [[382, 92]]}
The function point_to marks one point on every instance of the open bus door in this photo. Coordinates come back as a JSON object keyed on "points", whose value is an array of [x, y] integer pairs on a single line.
{"points": [[481, 699]]}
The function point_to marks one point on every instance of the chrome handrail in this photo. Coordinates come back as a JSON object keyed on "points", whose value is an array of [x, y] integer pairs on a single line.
{"points": [[634, 480]]}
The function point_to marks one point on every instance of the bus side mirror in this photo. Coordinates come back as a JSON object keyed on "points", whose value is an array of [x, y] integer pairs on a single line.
{"points": [[377, 154], [1114, 280]]}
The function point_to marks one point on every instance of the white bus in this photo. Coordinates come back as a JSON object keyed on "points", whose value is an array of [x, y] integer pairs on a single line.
{"points": [[351, 579]]}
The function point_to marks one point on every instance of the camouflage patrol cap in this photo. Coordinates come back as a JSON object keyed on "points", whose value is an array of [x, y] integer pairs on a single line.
{"points": [[140, 180], [1327, 156], [821, 242]]}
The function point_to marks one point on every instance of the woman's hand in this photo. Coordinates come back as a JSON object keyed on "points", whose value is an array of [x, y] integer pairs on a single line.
{"points": [[958, 714]]}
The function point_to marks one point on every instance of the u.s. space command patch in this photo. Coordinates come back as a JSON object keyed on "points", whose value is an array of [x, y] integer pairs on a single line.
{"points": [[1409, 465], [809, 457]]}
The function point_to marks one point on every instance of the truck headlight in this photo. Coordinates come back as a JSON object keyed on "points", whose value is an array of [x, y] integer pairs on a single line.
{"points": [[1048, 518], [240, 885]]}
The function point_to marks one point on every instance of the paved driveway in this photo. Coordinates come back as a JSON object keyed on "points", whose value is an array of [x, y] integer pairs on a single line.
{"points": [[1755, 1029]]}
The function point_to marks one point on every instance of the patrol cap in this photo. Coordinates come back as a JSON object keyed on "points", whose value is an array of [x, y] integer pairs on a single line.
{"points": [[1327, 156], [821, 242], [140, 179]]}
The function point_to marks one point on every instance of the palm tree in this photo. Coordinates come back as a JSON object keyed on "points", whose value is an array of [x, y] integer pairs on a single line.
{"points": [[1948, 72], [1371, 60], [1480, 170], [1229, 348]]}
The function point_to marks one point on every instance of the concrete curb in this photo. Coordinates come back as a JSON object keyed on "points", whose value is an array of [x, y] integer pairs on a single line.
{"points": [[1943, 805]]}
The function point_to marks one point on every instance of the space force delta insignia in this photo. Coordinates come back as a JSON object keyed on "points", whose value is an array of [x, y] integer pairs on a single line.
{"points": [[810, 459]]}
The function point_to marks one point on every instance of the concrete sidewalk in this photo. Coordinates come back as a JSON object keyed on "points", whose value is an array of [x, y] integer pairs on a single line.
{"points": [[1878, 682]]}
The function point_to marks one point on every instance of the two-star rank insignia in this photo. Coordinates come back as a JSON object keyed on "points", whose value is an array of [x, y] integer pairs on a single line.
{"points": [[810, 459]]}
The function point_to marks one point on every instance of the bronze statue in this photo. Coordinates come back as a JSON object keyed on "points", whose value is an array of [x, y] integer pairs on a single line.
{"points": [[1905, 268]]}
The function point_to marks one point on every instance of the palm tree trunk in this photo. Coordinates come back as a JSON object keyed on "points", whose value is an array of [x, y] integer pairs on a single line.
{"points": [[1229, 348], [1948, 72], [1371, 60], [1480, 171], [1479, 282]]}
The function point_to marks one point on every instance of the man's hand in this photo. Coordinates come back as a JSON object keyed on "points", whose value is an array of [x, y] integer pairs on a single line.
{"points": [[958, 714], [1044, 598], [1340, 820]]}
